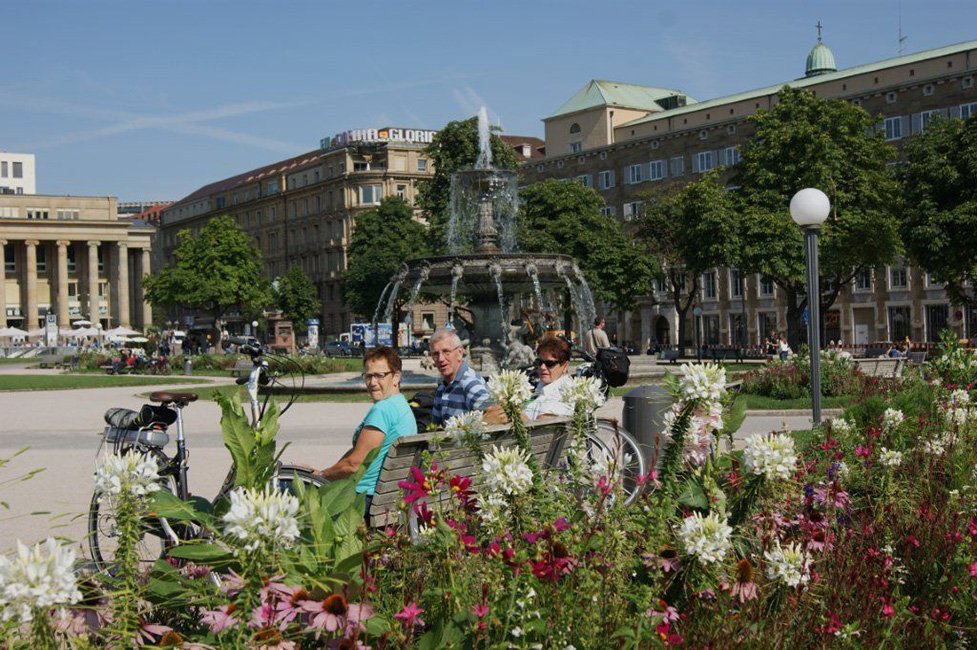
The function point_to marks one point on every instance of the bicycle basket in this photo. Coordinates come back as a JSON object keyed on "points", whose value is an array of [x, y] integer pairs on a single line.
{"points": [[136, 437]]}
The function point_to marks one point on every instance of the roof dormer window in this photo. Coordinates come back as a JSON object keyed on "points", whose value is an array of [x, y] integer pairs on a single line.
{"points": [[574, 128]]}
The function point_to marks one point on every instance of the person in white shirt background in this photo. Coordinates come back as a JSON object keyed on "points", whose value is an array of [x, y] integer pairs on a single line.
{"points": [[553, 362]]}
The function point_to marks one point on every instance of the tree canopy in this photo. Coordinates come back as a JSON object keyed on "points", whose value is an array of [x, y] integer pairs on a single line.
{"points": [[559, 217], [939, 190], [806, 141], [690, 231], [297, 297], [455, 147], [216, 271], [383, 239]]}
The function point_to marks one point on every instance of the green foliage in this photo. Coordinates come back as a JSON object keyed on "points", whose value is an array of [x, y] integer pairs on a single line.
{"points": [[791, 379], [806, 141], [252, 450], [455, 147], [565, 218], [939, 204], [216, 270], [383, 239], [297, 297], [954, 364]]}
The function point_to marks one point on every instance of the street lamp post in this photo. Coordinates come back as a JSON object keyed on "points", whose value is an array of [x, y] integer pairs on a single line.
{"points": [[809, 208]]}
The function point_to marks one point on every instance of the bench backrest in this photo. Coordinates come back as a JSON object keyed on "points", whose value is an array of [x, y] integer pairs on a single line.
{"points": [[547, 438], [885, 367]]}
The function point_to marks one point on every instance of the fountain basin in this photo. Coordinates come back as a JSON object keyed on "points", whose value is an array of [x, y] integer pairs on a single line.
{"points": [[479, 272]]}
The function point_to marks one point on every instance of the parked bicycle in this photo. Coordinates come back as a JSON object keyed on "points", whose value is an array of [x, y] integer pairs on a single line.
{"points": [[148, 431]]}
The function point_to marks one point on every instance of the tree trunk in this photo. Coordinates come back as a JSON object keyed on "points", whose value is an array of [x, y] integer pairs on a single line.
{"points": [[795, 311]]}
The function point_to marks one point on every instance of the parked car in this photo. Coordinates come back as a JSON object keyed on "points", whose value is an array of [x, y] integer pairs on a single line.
{"points": [[338, 349]]}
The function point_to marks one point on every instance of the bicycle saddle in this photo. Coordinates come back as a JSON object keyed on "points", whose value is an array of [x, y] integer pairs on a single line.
{"points": [[166, 397]]}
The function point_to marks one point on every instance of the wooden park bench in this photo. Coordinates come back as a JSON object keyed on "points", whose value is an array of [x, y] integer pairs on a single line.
{"points": [[241, 368], [51, 360], [916, 358], [672, 356], [547, 438], [725, 354], [885, 367]]}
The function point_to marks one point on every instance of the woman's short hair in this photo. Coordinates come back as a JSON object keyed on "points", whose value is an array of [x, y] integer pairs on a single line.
{"points": [[556, 347], [386, 353]]}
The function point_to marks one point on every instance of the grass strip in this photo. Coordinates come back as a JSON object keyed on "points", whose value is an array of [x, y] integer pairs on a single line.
{"points": [[67, 382]]}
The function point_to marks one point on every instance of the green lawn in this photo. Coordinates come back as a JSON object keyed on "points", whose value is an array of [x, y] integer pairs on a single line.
{"points": [[62, 382], [760, 403], [210, 393]]}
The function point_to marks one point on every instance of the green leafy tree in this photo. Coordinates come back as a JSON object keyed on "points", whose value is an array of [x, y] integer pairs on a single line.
{"points": [[297, 297], [560, 217], [216, 271], [383, 239], [455, 147], [690, 231], [805, 141], [939, 189]]}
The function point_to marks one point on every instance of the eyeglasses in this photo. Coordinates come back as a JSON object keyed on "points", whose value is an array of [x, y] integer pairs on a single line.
{"points": [[549, 363], [443, 353], [370, 376]]}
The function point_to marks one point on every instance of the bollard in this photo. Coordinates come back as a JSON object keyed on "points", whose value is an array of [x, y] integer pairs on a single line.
{"points": [[644, 413], [187, 365]]}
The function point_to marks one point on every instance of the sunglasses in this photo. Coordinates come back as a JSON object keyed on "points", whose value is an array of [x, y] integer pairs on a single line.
{"points": [[549, 363]]}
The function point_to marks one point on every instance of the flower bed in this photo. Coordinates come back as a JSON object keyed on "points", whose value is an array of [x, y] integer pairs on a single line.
{"points": [[865, 537], [791, 378]]}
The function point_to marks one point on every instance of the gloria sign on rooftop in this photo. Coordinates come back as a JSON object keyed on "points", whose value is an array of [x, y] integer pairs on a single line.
{"points": [[386, 134]]}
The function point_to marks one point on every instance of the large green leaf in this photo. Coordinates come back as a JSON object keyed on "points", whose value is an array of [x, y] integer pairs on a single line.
{"points": [[166, 504], [693, 495], [203, 553]]}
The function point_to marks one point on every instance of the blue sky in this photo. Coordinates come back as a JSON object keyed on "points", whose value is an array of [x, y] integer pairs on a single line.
{"points": [[147, 99]]}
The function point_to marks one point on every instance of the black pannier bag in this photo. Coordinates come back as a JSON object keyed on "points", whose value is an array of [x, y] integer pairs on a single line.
{"points": [[615, 365], [421, 404]]}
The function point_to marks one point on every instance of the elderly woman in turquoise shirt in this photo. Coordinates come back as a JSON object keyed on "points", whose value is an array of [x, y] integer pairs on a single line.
{"points": [[388, 419]]}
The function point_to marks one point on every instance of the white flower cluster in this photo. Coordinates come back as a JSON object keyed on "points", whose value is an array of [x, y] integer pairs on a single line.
{"points": [[262, 517], [771, 456], [841, 426], [892, 418], [492, 508], [506, 471], [697, 438], [38, 577], [707, 538], [960, 398], [890, 457], [510, 387], [582, 391], [465, 427], [788, 564], [705, 381], [132, 472], [958, 416]]}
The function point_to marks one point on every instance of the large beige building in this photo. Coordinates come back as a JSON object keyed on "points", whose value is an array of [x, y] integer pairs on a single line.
{"points": [[71, 256], [627, 141]]}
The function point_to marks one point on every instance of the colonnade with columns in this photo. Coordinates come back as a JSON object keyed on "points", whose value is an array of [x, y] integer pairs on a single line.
{"points": [[124, 265]]}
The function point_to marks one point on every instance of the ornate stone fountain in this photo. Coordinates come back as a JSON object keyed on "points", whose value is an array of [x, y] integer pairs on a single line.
{"points": [[484, 277]]}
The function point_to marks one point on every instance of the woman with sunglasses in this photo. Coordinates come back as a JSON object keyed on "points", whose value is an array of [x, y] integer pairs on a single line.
{"points": [[389, 418], [553, 363]]}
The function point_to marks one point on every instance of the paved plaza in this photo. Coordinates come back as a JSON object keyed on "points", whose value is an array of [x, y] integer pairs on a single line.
{"points": [[60, 429]]}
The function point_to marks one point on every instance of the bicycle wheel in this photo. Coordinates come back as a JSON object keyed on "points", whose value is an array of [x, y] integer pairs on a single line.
{"points": [[103, 537], [624, 452], [289, 474]]}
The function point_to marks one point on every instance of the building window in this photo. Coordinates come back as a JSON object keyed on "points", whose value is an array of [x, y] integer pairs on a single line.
{"points": [[606, 179], [922, 120], [574, 128], [18, 169], [34, 213], [709, 286], [361, 166], [41, 253], [608, 211], [890, 98], [928, 90], [967, 82], [703, 134], [703, 162], [370, 194], [422, 164], [968, 110], [893, 128], [9, 259], [677, 166], [584, 179], [766, 287], [900, 323], [72, 265], [863, 280], [735, 283], [898, 278], [656, 170], [101, 260], [634, 174], [402, 191], [3, 169], [632, 209], [937, 317], [731, 156], [576, 147]]}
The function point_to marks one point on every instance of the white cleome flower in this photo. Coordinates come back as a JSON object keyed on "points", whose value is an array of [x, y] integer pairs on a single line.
{"points": [[506, 471], [38, 577], [705, 381], [771, 456], [841, 426], [510, 387], [890, 458], [492, 507], [697, 439], [707, 538], [959, 397], [134, 473], [958, 415], [466, 427], [788, 564], [892, 418], [262, 518], [582, 391]]}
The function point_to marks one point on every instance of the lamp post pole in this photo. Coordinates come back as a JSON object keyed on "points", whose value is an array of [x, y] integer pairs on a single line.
{"points": [[809, 208]]}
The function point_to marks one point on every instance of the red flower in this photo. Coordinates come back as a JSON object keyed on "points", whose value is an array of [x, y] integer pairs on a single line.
{"points": [[863, 452], [416, 489], [561, 525], [410, 615], [973, 570], [461, 487], [888, 611], [972, 527], [424, 514], [481, 611]]}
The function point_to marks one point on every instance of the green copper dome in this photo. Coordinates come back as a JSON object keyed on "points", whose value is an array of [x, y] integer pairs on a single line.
{"points": [[820, 61]]}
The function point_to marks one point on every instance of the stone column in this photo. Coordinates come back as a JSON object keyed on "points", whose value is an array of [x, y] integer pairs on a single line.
{"points": [[30, 284], [144, 270], [3, 283], [122, 283], [93, 314], [62, 302]]}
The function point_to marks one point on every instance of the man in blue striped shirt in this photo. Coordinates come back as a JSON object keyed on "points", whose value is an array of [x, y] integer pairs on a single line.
{"points": [[461, 388]]}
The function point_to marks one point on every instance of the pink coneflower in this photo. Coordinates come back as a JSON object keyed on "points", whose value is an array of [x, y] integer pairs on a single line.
{"points": [[287, 609], [220, 619], [744, 589], [328, 614], [973, 570], [668, 560], [410, 615], [150, 632]]}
